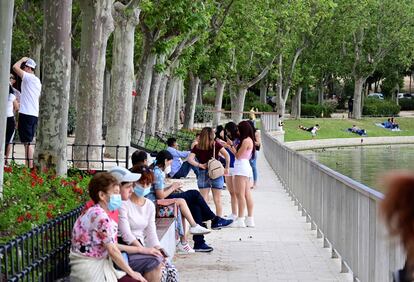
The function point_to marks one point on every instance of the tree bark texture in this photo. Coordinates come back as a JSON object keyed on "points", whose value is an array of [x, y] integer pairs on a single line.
{"points": [[357, 111], [153, 99], [74, 83], [53, 119], [106, 93], [296, 103], [170, 103], [220, 85], [6, 25], [161, 104], [119, 109], [139, 113], [263, 91], [36, 53], [97, 25], [200, 94], [190, 102], [237, 104]]}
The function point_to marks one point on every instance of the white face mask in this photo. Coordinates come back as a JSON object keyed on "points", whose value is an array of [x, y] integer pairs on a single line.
{"points": [[167, 170]]}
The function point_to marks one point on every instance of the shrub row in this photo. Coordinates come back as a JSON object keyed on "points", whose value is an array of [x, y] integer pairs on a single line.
{"points": [[310, 110], [376, 107], [406, 104]]}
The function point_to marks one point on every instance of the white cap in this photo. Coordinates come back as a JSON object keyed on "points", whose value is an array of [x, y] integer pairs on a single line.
{"points": [[31, 63], [123, 175]]}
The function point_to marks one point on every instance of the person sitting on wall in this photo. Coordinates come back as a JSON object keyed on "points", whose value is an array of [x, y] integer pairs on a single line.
{"points": [[178, 167]]}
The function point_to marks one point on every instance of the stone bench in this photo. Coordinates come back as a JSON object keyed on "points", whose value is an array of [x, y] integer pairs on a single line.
{"points": [[166, 234]]}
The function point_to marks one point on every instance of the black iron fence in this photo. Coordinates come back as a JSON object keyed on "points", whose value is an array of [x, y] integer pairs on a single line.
{"points": [[97, 157], [42, 254], [156, 142]]}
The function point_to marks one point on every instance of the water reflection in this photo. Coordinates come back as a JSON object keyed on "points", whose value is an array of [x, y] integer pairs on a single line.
{"points": [[365, 163]]}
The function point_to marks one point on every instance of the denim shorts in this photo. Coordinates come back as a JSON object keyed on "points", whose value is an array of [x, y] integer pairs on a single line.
{"points": [[203, 181]]}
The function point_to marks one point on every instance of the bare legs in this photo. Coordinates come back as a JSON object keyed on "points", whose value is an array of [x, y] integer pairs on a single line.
{"points": [[154, 275], [8, 149], [216, 198], [28, 150], [244, 196], [233, 196]]}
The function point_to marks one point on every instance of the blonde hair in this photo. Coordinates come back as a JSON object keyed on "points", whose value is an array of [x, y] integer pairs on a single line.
{"points": [[206, 136]]}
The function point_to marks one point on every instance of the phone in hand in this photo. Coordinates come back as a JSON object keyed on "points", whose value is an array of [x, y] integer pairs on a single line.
{"points": [[163, 252]]}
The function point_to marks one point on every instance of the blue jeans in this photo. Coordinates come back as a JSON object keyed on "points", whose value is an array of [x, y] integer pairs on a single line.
{"points": [[184, 170], [254, 168]]}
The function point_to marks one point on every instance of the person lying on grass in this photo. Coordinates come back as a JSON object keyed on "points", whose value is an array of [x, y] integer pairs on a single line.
{"points": [[312, 129], [355, 129]]}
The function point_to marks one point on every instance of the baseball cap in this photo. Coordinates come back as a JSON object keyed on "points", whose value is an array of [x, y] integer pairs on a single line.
{"points": [[31, 63], [123, 175]]}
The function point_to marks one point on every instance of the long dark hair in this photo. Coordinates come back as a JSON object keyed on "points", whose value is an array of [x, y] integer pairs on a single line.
{"points": [[219, 129], [161, 158], [231, 127], [245, 131]]}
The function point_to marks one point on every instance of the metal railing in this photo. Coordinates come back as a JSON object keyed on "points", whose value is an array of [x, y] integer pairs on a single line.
{"points": [[343, 211], [94, 155], [158, 141], [42, 254]]}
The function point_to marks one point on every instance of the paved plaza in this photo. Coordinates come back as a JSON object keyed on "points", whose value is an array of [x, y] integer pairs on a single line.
{"points": [[281, 247]]}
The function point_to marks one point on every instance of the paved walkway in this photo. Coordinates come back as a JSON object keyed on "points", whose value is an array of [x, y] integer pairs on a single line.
{"points": [[281, 247]]}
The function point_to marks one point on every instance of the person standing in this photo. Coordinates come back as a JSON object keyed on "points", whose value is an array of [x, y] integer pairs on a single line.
{"points": [[29, 104], [12, 106]]}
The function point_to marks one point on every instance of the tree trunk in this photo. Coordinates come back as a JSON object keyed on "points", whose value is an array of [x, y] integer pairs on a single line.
{"points": [[161, 104], [74, 83], [179, 102], [170, 104], [54, 101], [281, 102], [357, 111], [190, 102], [6, 25], [296, 103], [219, 101], [395, 93], [263, 91], [139, 113], [200, 93], [237, 104], [153, 101], [36, 53], [122, 76], [321, 93], [105, 104], [97, 25]]}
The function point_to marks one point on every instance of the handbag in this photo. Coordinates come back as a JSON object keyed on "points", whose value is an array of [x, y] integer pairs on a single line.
{"points": [[215, 167], [166, 208]]}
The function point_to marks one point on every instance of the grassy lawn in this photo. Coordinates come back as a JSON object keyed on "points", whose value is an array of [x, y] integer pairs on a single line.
{"points": [[336, 128]]}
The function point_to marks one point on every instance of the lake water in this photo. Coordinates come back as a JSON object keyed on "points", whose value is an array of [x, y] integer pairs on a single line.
{"points": [[365, 164]]}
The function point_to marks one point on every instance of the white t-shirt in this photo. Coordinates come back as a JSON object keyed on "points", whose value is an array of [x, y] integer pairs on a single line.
{"points": [[29, 99], [136, 222], [10, 101]]}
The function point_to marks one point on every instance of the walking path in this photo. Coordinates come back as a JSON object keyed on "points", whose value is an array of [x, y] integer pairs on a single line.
{"points": [[280, 248]]}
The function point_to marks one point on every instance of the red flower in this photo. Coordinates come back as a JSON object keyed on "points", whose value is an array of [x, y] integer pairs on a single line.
{"points": [[8, 169], [20, 219], [28, 215], [33, 183], [49, 215], [51, 207], [91, 171]]}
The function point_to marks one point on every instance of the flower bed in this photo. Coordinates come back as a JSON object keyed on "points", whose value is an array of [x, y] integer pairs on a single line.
{"points": [[31, 198]]}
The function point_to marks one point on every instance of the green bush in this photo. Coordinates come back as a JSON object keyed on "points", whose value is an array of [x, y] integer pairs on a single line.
{"points": [[259, 106], [376, 107], [32, 198], [311, 110], [201, 115], [406, 104], [209, 98]]}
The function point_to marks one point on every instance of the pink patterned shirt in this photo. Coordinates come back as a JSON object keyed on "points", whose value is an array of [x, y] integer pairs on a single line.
{"points": [[92, 230]]}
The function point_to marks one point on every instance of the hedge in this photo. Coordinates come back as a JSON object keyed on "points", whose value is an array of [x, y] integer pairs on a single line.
{"points": [[376, 107], [406, 104], [311, 110]]}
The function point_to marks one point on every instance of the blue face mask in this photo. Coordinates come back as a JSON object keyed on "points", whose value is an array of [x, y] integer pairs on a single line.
{"points": [[115, 202], [141, 191]]}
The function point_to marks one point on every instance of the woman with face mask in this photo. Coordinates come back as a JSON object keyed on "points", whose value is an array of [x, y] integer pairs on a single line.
{"points": [[94, 244]]}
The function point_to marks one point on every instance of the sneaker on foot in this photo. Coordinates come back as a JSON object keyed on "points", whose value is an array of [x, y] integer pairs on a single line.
{"points": [[199, 230], [238, 223], [184, 248], [203, 248], [219, 222], [231, 217], [249, 221]]}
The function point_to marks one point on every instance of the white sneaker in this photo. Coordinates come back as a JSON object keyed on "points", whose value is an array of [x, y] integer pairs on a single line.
{"points": [[199, 230], [238, 223], [249, 221], [184, 248]]}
